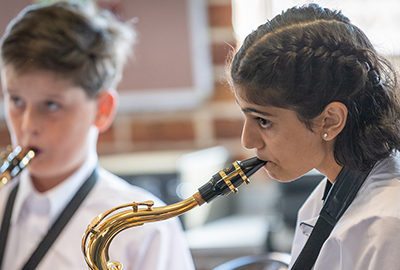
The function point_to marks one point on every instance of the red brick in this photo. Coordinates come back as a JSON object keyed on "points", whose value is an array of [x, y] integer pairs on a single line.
{"points": [[226, 128], [107, 136], [220, 16], [223, 92], [162, 131], [221, 53], [4, 138]]}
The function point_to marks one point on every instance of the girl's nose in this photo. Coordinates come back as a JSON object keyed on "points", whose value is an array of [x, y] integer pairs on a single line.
{"points": [[251, 138]]}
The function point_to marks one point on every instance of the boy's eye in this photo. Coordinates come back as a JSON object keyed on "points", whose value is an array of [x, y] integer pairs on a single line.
{"points": [[52, 106], [17, 101]]}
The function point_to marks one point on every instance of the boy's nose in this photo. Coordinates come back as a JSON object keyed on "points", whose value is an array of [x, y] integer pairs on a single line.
{"points": [[30, 121]]}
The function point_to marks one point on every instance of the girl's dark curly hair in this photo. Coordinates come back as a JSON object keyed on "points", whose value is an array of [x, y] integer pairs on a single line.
{"points": [[308, 57]]}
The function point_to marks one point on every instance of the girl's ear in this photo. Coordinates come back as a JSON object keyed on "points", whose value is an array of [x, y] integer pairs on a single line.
{"points": [[107, 103], [334, 120]]}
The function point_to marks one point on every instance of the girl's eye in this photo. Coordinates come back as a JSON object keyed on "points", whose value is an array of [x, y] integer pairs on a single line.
{"points": [[263, 123], [52, 106]]}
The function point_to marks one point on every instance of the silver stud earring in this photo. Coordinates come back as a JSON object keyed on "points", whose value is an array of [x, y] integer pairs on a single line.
{"points": [[325, 135]]}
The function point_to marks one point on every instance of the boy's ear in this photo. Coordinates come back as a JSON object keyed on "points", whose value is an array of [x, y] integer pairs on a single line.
{"points": [[107, 103], [334, 120]]}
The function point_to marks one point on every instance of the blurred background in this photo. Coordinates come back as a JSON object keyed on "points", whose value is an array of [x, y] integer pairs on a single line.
{"points": [[178, 123]]}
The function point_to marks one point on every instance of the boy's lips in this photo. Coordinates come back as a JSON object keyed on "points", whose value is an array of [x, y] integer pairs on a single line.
{"points": [[36, 150]]}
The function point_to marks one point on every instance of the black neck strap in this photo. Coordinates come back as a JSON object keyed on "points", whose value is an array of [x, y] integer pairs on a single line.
{"points": [[340, 196], [55, 229], [6, 222]]}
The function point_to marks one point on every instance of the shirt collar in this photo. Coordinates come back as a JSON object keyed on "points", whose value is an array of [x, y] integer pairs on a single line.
{"points": [[384, 169], [328, 186], [60, 195], [387, 168]]}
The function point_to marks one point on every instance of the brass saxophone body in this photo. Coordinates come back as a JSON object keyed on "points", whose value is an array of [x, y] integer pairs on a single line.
{"points": [[14, 163], [103, 229]]}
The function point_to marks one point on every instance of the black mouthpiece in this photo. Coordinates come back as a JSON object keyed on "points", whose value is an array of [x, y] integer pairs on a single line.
{"points": [[228, 179]]}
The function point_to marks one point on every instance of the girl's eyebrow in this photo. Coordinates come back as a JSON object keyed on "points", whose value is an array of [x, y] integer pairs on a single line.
{"points": [[252, 110]]}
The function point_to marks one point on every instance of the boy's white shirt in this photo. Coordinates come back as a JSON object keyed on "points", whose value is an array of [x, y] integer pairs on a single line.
{"points": [[160, 245]]}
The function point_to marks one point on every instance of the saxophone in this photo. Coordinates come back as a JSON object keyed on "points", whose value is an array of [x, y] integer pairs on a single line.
{"points": [[14, 163], [102, 230]]}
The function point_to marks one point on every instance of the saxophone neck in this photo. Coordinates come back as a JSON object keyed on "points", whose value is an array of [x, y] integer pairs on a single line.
{"points": [[103, 229]]}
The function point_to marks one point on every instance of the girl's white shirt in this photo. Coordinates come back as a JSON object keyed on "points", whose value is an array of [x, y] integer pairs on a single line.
{"points": [[367, 236]]}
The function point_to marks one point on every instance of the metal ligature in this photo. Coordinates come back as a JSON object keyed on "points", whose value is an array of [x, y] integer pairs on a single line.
{"points": [[104, 228], [14, 163]]}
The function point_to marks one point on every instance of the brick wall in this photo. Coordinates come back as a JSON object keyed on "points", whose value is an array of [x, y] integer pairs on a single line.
{"points": [[217, 122]]}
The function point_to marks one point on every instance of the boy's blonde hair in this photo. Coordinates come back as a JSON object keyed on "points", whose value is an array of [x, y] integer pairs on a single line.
{"points": [[77, 42]]}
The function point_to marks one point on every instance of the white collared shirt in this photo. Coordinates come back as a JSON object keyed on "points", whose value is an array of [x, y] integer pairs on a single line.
{"points": [[159, 245], [367, 236]]}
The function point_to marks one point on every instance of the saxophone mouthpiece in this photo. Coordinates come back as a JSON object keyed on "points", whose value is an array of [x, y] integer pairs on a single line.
{"points": [[252, 165], [228, 179], [14, 163]]}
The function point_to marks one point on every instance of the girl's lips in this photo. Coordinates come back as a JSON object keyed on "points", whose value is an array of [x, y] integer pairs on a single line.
{"points": [[264, 159]]}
